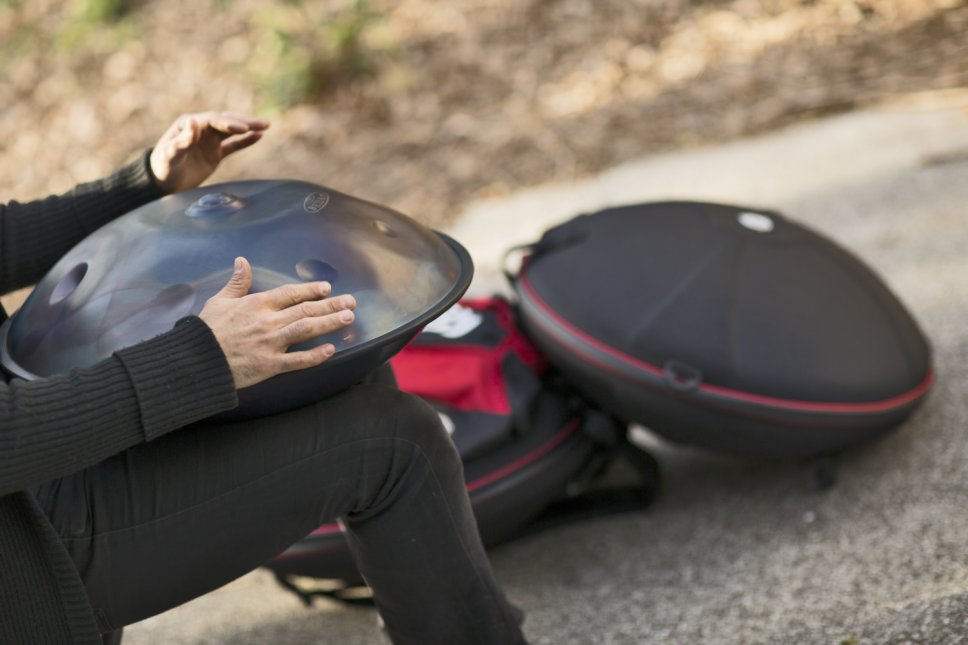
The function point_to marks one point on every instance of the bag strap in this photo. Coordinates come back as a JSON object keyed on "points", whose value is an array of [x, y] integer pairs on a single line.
{"points": [[350, 595], [588, 501], [525, 251], [571, 232]]}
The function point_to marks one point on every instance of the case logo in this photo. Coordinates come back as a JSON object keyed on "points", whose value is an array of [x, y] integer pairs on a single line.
{"points": [[456, 322], [447, 422], [756, 221], [315, 202]]}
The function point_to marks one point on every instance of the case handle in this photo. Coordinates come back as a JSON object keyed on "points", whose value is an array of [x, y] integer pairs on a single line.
{"points": [[681, 376]]}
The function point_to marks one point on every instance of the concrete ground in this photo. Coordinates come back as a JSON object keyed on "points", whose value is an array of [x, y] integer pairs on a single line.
{"points": [[740, 552]]}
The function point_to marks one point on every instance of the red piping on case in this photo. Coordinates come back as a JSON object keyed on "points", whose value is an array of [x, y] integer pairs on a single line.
{"points": [[552, 443], [756, 399], [327, 529], [531, 457]]}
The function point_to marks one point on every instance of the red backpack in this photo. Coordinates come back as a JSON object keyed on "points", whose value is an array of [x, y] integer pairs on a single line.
{"points": [[478, 370]]}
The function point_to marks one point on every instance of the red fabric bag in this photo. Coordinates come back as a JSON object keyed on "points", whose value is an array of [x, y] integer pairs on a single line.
{"points": [[477, 368]]}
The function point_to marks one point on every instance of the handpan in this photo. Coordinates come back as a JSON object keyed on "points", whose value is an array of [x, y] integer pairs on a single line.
{"points": [[135, 277]]}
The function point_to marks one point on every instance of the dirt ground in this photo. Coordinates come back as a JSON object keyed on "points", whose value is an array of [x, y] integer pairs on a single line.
{"points": [[432, 105]]}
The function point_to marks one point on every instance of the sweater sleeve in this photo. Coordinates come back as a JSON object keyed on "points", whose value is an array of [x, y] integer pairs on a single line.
{"points": [[34, 235], [59, 425]]}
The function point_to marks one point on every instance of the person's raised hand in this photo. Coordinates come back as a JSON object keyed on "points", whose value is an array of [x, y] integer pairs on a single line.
{"points": [[255, 330], [191, 149]]}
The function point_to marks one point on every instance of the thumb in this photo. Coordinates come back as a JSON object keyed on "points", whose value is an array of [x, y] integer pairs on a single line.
{"points": [[240, 282]]}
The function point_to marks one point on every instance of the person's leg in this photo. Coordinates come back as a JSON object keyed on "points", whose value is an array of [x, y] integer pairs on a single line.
{"points": [[173, 519]]}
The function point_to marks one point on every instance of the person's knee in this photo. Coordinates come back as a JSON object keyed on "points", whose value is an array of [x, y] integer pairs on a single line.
{"points": [[381, 412], [417, 422], [411, 447]]}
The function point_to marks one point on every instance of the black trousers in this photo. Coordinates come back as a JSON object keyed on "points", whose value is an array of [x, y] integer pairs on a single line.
{"points": [[170, 520]]}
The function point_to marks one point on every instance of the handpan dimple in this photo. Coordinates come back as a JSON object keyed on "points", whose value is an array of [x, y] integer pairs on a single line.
{"points": [[215, 205], [68, 283], [316, 270]]}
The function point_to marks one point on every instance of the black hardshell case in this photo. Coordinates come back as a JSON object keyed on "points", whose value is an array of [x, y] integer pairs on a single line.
{"points": [[731, 328]]}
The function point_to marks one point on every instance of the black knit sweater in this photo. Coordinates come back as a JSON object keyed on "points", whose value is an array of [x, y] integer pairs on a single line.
{"points": [[53, 427]]}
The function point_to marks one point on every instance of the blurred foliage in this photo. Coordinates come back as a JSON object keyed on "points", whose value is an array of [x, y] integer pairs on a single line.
{"points": [[70, 28], [294, 50], [104, 10], [96, 26], [18, 36], [300, 52]]}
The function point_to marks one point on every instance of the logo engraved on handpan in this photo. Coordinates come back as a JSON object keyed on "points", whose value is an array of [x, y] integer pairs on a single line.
{"points": [[315, 202]]}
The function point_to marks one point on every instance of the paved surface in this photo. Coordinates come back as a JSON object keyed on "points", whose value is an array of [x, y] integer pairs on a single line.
{"points": [[739, 552]]}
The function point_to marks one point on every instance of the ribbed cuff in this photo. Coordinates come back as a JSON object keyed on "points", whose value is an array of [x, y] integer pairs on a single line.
{"points": [[131, 186], [151, 175], [179, 377]]}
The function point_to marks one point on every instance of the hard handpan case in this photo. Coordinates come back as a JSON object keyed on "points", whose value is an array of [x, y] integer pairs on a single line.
{"points": [[134, 278], [730, 328]]}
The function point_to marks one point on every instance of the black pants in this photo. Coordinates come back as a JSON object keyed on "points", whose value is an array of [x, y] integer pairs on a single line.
{"points": [[170, 520]]}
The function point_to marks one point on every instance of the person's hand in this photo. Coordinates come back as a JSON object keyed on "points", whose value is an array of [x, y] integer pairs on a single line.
{"points": [[190, 150], [255, 330]]}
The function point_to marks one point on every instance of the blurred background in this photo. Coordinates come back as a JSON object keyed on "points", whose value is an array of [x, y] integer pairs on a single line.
{"points": [[425, 106]]}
